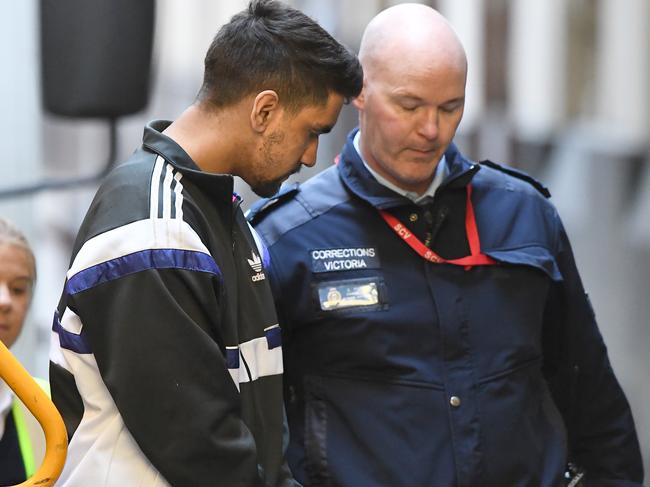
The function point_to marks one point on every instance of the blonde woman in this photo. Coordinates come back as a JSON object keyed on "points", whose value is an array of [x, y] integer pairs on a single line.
{"points": [[22, 443]]}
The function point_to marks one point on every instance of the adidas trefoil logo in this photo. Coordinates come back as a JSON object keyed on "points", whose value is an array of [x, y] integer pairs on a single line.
{"points": [[256, 265]]}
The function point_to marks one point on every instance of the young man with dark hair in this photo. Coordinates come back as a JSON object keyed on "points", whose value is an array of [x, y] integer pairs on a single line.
{"points": [[271, 45], [166, 359]]}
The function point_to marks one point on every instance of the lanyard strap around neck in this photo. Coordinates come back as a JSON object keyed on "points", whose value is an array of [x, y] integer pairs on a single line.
{"points": [[475, 258]]}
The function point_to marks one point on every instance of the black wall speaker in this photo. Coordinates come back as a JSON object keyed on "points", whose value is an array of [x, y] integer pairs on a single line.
{"points": [[96, 56]]}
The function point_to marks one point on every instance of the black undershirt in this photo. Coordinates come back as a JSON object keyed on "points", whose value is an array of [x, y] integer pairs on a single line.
{"points": [[12, 468]]}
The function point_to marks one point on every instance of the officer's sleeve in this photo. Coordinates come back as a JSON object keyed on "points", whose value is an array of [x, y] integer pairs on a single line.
{"points": [[155, 335], [602, 436]]}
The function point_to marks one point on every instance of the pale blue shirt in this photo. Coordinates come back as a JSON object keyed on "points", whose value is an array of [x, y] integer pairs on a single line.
{"points": [[438, 177]]}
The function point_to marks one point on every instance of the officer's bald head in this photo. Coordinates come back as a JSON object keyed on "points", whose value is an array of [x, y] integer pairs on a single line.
{"points": [[409, 34], [413, 95]]}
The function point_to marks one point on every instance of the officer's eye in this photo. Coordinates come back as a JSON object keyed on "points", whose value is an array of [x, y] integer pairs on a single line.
{"points": [[451, 107], [407, 103]]}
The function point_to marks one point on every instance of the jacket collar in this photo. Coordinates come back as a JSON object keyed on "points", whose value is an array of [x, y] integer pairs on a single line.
{"points": [[359, 180], [218, 187]]}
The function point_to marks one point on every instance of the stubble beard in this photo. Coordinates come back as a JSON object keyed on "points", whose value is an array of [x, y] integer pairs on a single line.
{"points": [[262, 187]]}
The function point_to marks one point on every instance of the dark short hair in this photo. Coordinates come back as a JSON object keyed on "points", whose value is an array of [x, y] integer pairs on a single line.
{"points": [[273, 46]]}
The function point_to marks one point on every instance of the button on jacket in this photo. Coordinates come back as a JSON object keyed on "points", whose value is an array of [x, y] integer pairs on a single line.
{"points": [[405, 372], [166, 360]]}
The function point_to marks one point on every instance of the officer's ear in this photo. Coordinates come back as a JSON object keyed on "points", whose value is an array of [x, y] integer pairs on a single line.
{"points": [[360, 101], [266, 107]]}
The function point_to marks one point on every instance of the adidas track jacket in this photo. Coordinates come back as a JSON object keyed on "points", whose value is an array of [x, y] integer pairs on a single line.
{"points": [[166, 360]]}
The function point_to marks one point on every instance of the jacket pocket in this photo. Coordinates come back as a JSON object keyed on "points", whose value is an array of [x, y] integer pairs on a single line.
{"points": [[535, 256], [375, 433]]}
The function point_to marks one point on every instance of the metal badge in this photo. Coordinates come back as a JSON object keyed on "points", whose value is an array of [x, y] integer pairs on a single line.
{"points": [[348, 294]]}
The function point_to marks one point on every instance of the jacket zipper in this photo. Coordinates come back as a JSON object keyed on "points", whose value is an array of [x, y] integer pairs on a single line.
{"points": [[441, 215]]}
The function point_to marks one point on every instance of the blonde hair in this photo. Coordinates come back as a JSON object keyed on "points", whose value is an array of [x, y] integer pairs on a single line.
{"points": [[11, 235]]}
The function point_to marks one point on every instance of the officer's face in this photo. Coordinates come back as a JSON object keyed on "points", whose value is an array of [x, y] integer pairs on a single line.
{"points": [[409, 112], [292, 143], [16, 280]]}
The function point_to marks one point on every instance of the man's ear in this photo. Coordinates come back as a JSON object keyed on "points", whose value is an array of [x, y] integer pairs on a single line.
{"points": [[360, 100], [266, 106]]}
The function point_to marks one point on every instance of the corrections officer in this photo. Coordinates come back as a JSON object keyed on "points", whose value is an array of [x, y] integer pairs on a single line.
{"points": [[436, 329]]}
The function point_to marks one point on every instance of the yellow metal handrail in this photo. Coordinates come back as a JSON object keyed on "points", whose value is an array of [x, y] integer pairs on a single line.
{"points": [[56, 438]]}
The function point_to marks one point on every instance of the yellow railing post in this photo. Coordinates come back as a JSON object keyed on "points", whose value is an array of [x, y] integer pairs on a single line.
{"points": [[30, 393]]}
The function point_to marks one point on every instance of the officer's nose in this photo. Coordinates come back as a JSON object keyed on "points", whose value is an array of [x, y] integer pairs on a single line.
{"points": [[428, 127]]}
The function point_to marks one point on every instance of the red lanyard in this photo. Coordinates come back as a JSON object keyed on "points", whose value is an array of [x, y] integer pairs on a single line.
{"points": [[474, 259]]}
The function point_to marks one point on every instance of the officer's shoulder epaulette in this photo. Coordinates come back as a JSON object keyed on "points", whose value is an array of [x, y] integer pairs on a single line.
{"points": [[519, 175], [263, 205]]}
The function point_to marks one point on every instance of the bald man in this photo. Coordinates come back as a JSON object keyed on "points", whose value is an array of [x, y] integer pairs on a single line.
{"points": [[436, 332]]}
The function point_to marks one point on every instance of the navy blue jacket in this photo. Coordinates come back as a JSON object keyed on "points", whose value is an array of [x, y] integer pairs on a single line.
{"points": [[402, 372]]}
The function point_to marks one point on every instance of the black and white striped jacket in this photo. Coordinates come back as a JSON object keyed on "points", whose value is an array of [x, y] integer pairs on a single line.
{"points": [[166, 361]]}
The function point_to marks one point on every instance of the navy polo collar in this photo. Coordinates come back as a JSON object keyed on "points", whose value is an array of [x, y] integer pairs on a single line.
{"points": [[359, 180]]}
